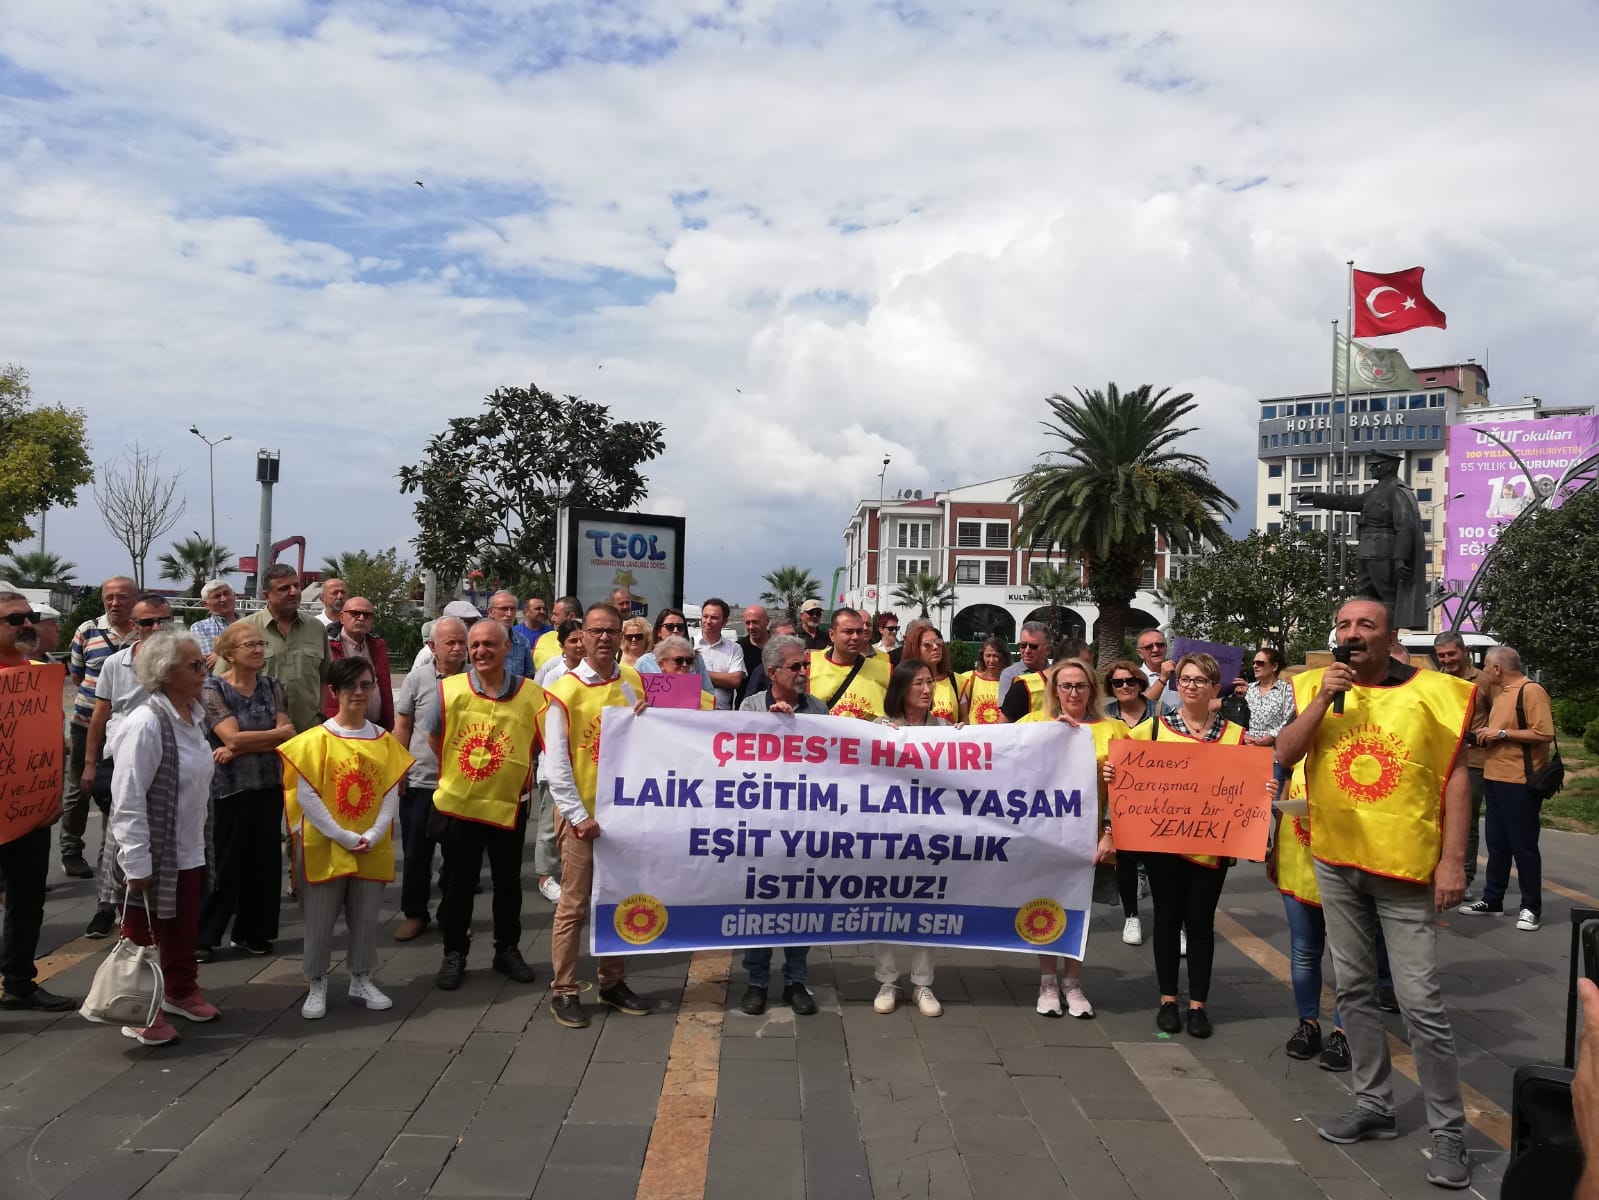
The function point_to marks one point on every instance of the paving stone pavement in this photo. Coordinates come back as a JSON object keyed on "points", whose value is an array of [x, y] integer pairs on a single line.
{"points": [[477, 1093]]}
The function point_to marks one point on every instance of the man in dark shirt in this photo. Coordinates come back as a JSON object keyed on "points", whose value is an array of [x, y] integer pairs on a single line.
{"points": [[757, 633], [816, 638]]}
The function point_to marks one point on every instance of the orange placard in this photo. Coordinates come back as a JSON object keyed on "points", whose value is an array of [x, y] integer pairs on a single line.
{"points": [[30, 747], [1190, 798]]}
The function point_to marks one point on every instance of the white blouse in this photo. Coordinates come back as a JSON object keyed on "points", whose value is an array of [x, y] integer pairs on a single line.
{"points": [[137, 753]]}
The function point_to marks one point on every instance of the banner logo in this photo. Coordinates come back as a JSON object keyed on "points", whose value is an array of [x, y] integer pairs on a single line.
{"points": [[639, 919]]}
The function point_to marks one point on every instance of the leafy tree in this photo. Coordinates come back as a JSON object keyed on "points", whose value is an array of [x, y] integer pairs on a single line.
{"points": [[1114, 488], [38, 568], [923, 593], [138, 503], [1055, 587], [789, 587], [196, 559], [488, 487], [44, 457], [1262, 588], [1540, 592]]}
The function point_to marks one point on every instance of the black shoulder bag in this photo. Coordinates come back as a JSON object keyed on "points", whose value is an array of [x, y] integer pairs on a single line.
{"points": [[1549, 778], [860, 661]]}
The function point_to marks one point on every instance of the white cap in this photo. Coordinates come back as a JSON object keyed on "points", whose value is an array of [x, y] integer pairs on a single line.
{"points": [[463, 610], [45, 613]]}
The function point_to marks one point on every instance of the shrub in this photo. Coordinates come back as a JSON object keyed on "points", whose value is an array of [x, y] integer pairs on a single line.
{"points": [[1590, 738], [964, 655], [1574, 714]]}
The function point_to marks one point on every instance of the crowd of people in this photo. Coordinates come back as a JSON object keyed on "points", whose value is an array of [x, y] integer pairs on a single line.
{"points": [[197, 744]]}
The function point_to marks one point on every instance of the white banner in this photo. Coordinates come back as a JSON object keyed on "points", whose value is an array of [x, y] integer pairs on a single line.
{"points": [[728, 829]]}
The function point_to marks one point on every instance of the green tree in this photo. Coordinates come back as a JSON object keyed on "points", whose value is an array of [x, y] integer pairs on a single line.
{"points": [[788, 587], [489, 487], [1540, 591], [195, 560], [1261, 588], [923, 593], [1115, 487], [38, 568], [44, 457], [1055, 588]]}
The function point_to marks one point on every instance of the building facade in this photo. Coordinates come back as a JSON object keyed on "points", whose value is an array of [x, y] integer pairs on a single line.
{"points": [[967, 536]]}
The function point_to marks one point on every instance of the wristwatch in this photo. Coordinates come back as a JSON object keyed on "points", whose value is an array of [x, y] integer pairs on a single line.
{"points": [[1503, 734]]}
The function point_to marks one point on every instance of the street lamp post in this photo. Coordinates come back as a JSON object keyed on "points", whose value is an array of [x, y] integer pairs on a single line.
{"points": [[882, 538], [211, 456]]}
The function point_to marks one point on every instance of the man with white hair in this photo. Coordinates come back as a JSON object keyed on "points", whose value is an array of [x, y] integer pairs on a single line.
{"points": [[332, 595], [503, 607], [217, 595]]}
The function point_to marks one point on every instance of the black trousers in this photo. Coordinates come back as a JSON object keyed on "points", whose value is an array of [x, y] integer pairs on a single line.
{"points": [[1127, 881], [24, 864], [1185, 895], [249, 859], [464, 844]]}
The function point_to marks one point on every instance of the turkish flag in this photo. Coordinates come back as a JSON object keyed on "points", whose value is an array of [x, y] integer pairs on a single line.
{"points": [[1393, 303]]}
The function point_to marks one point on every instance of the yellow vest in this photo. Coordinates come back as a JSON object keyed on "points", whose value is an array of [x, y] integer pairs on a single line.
{"points": [[1375, 775], [583, 703], [547, 647], [1035, 683], [982, 700], [1231, 735], [1105, 730], [1296, 872], [946, 700], [487, 751], [866, 692], [351, 775]]}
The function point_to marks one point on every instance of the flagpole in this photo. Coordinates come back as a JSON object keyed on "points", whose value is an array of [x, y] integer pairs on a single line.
{"points": [[1332, 395], [1343, 453]]}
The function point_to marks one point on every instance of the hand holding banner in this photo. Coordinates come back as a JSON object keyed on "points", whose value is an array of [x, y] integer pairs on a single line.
{"points": [[30, 748], [1190, 798]]}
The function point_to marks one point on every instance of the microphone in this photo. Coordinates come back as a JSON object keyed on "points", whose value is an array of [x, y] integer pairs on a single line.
{"points": [[1341, 654]]}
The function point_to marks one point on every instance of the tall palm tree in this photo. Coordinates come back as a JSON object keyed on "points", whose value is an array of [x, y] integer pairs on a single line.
{"points": [[37, 568], [923, 593], [789, 587], [1115, 486], [197, 559]]}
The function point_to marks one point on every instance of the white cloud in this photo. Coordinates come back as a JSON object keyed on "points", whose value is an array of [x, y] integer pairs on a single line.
{"points": [[802, 236]]}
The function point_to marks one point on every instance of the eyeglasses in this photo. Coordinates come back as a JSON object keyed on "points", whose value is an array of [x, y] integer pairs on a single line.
{"points": [[632, 637], [250, 645], [196, 664], [1153, 646], [1032, 645], [1124, 681], [365, 685], [678, 661], [1194, 681], [608, 632], [1074, 687], [153, 622], [22, 618], [674, 627], [360, 612]]}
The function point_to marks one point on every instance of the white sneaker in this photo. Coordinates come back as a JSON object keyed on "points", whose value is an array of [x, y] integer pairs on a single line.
{"points": [[1049, 997], [1182, 943], [1133, 931], [550, 890], [1076, 1002], [316, 999], [364, 991], [1527, 920], [887, 998], [927, 1004]]}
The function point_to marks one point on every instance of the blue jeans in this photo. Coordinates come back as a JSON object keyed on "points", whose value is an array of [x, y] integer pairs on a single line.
{"points": [[416, 879], [1511, 831], [1307, 940], [758, 964]]}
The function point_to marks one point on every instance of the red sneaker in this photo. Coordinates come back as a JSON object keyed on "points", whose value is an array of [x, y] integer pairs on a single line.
{"points": [[158, 1034], [193, 1007]]}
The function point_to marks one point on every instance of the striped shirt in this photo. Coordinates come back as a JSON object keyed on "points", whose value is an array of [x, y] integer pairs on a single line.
{"points": [[93, 643]]}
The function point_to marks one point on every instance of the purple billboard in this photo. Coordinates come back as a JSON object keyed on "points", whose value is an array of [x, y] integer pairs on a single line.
{"points": [[1487, 489]]}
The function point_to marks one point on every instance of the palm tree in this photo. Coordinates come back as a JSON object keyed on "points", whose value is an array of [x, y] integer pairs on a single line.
{"points": [[923, 592], [350, 562], [1115, 487], [38, 568], [197, 559], [1054, 588], [788, 588]]}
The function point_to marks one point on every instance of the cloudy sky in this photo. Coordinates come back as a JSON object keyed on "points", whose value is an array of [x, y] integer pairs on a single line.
{"points": [[801, 234]]}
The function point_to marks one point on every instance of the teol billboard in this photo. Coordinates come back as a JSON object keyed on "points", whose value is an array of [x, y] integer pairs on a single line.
{"points": [[599, 550]]}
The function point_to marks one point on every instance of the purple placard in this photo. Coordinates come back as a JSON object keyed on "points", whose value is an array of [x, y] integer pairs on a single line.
{"points": [[672, 691], [1229, 658], [1487, 490]]}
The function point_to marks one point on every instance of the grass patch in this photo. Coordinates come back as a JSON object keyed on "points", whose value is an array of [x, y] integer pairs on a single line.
{"points": [[1577, 805]]}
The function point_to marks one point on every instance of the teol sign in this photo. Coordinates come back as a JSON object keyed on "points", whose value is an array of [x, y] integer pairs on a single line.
{"points": [[598, 551]]}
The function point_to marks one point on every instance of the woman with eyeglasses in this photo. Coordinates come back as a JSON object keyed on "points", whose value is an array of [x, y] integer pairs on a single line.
{"points": [[908, 703], [1270, 698], [924, 643], [156, 865], [979, 687], [1124, 692], [1072, 698], [569, 635], [246, 720], [676, 657], [341, 789], [636, 641], [1186, 888]]}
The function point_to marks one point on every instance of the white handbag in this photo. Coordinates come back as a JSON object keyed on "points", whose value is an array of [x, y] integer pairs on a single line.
{"points": [[128, 987]]}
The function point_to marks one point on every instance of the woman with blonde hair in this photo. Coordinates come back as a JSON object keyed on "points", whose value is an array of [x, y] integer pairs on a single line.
{"points": [[637, 640], [923, 643]]}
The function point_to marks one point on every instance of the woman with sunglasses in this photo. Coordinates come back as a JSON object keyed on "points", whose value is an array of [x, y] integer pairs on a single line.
{"points": [[1270, 698], [340, 792], [1071, 697], [885, 632], [636, 641], [677, 657], [924, 643], [1124, 692], [569, 636], [979, 687], [1186, 888], [246, 720]]}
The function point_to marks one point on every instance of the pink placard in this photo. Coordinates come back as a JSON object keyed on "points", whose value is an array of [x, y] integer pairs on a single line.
{"points": [[672, 691]]}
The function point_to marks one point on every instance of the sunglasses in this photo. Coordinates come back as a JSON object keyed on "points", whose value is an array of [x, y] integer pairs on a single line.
{"points": [[674, 627], [633, 637], [197, 664], [153, 622], [1124, 681], [679, 661], [360, 612], [22, 618], [889, 628], [1262, 662], [1153, 646], [799, 668]]}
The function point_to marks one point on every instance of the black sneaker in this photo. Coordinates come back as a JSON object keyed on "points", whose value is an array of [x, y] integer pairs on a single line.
{"points": [[620, 997], [799, 998], [1198, 1023], [1169, 1019], [568, 1011], [512, 965], [451, 971], [1335, 1055], [1305, 1042], [73, 867], [39, 1000], [101, 924], [205, 954], [1357, 1124], [1386, 1000], [258, 949], [754, 1001]]}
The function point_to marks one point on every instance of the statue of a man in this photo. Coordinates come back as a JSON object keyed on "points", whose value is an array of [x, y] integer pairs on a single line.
{"points": [[1393, 553]]}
